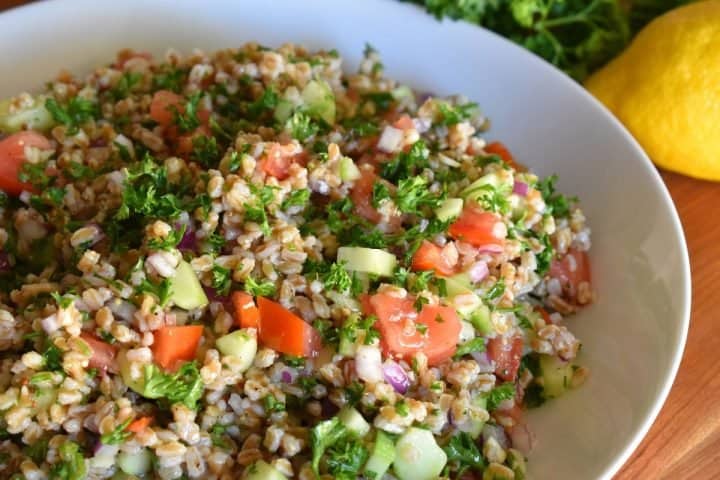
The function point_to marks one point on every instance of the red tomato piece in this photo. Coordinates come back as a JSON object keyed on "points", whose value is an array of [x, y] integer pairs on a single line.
{"points": [[12, 158], [247, 314], [103, 354], [176, 344], [499, 149], [282, 330], [400, 334], [139, 424], [163, 106], [430, 257], [361, 194], [479, 228], [571, 271], [506, 352], [404, 122]]}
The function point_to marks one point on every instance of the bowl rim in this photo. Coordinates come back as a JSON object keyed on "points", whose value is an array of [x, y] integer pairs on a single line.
{"points": [[23, 13]]}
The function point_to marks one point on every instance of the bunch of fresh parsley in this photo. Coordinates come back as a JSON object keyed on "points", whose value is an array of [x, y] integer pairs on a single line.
{"points": [[577, 36]]}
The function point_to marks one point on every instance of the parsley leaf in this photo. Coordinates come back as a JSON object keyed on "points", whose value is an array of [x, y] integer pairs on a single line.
{"points": [[450, 115], [125, 84], [264, 289], [272, 404], [413, 194], [499, 394], [557, 204], [187, 120], [407, 164], [338, 278], [346, 458], [267, 101], [221, 279], [544, 258], [297, 198], [322, 436], [496, 291], [147, 192], [475, 345], [301, 126], [184, 386], [77, 112], [169, 242], [53, 357], [118, 435], [162, 290], [71, 465], [205, 151], [463, 454]]}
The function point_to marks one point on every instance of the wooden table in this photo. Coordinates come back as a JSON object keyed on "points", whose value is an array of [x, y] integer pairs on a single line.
{"points": [[684, 442]]}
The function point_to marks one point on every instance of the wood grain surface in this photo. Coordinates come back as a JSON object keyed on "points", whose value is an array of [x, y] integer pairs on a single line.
{"points": [[684, 442]]}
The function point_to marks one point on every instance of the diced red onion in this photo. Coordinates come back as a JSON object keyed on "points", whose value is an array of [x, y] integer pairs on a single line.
{"points": [[396, 376], [520, 188], [483, 361], [287, 376], [422, 125], [214, 296], [368, 363], [188, 241], [522, 438], [491, 248], [496, 432], [478, 271], [4, 262], [390, 139]]}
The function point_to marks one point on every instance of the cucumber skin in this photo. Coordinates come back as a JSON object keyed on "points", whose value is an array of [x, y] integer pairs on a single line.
{"points": [[418, 456], [382, 457], [556, 375], [368, 260], [354, 421]]}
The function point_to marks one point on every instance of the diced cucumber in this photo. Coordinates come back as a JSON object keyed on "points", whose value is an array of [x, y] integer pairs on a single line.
{"points": [[476, 189], [319, 101], [187, 292], [283, 110], [349, 172], [418, 456], [449, 209], [382, 456], [476, 426], [458, 284], [136, 385], [34, 117], [403, 91], [555, 375], [346, 348], [44, 398], [516, 461], [480, 319], [261, 470], [368, 260], [354, 421], [138, 463], [241, 344]]}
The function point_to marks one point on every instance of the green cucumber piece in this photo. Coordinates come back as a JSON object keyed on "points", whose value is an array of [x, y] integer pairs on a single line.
{"points": [[346, 348], [354, 421], [556, 375], [187, 293], [382, 456], [34, 117], [368, 260], [418, 456], [403, 91], [476, 189], [476, 426], [319, 101], [283, 110], [261, 470], [458, 284], [480, 318], [138, 463], [516, 461], [450, 208], [349, 172], [240, 344]]}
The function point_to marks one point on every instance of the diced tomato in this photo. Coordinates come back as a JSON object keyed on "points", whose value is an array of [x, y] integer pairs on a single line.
{"points": [[398, 323], [277, 159], [185, 142], [12, 158], [506, 352], [571, 271], [361, 194], [404, 122], [139, 424], [478, 228], [282, 330], [247, 315], [103, 354], [431, 257], [176, 344], [545, 314], [127, 54], [163, 106], [499, 149]]}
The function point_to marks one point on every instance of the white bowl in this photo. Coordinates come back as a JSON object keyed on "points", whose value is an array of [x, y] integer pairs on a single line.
{"points": [[634, 335]]}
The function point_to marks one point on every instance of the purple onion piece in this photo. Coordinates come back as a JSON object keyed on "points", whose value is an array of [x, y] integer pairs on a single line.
{"points": [[286, 376], [5, 262], [478, 271], [498, 433], [520, 188], [214, 296], [188, 241], [396, 376], [491, 248], [328, 408]]}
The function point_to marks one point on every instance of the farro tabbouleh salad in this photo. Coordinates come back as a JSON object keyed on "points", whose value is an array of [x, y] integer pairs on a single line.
{"points": [[251, 264]]}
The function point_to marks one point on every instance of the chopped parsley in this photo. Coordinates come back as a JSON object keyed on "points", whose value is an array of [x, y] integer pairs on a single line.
{"points": [[463, 454], [499, 394], [118, 435], [205, 151], [346, 458], [496, 291], [71, 465], [78, 111], [407, 164], [162, 290], [186, 119], [475, 345], [169, 242], [323, 436], [413, 194], [271, 404], [450, 115], [297, 198], [221, 279], [301, 126], [263, 289], [557, 204], [125, 85], [184, 386]]}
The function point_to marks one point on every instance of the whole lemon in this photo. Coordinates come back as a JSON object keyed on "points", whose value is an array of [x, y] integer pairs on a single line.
{"points": [[665, 88]]}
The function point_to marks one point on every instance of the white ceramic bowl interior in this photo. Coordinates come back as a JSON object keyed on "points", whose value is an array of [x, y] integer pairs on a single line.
{"points": [[634, 335]]}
